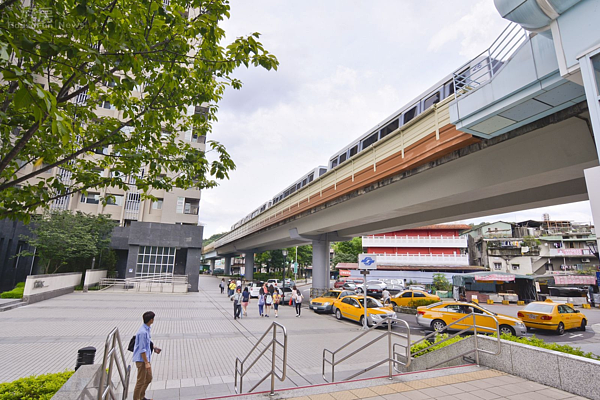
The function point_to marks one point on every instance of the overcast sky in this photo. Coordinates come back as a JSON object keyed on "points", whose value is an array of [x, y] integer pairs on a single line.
{"points": [[344, 66]]}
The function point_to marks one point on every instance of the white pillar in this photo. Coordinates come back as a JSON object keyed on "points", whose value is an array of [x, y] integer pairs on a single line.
{"points": [[320, 264]]}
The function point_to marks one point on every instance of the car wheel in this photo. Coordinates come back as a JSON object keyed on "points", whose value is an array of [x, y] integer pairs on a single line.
{"points": [[362, 321], [583, 324], [338, 314], [507, 330], [561, 329], [438, 325]]}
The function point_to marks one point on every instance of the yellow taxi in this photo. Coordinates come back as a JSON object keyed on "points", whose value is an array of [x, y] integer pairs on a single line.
{"points": [[351, 307], [407, 297], [552, 316], [325, 303], [440, 315]]}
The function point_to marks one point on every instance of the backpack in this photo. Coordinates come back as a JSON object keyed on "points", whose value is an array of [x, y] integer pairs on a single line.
{"points": [[269, 299], [299, 297], [131, 345], [261, 300]]}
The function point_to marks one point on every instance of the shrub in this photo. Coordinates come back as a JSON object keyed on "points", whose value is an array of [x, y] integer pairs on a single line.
{"points": [[419, 303], [41, 387], [420, 346], [16, 293], [537, 342], [20, 285]]}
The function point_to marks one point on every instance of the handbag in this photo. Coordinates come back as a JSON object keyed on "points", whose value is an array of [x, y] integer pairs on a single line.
{"points": [[131, 345]]}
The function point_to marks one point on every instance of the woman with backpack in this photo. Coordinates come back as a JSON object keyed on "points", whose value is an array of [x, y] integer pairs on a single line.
{"points": [[297, 296], [222, 285], [245, 300], [276, 301], [268, 303]]}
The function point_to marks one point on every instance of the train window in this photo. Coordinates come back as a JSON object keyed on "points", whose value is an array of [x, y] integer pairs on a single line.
{"points": [[321, 172], [410, 114], [391, 127], [286, 193], [304, 182], [449, 88], [311, 177], [342, 158], [334, 163], [299, 185], [431, 100], [353, 151], [370, 140]]}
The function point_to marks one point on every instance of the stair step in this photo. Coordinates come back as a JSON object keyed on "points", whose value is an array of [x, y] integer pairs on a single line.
{"points": [[12, 305]]}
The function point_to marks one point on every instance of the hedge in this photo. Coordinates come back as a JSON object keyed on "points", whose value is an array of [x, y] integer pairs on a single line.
{"points": [[438, 338], [537, 342], [41, 387], [16, 293]]}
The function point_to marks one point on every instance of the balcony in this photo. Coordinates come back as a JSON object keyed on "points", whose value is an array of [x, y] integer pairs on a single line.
{"points": [[414, 241], [454, 260]]}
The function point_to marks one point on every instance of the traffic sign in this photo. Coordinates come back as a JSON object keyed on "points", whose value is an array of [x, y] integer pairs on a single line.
{"points": [[367, 261]]}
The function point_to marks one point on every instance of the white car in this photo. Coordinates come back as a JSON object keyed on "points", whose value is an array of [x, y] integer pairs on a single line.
{"points": [[273, 282], [255, 289]]}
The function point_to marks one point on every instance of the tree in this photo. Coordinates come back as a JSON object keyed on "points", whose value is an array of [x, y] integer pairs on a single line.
{"points": [[347, 252], [440, 282], [63, 60], [65, 240], [213, 238]]}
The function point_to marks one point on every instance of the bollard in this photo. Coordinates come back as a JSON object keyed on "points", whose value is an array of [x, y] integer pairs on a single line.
{"points": [[490, 301], [521, 303], [505, 302], [85, 356], [586, 306]]}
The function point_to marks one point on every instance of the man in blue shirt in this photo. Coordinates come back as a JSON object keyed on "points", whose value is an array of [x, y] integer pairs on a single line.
{"points": [[141, 357]]}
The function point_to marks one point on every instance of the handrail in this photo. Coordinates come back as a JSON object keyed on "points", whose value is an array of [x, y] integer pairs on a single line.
{"points": [[241, 371], [392, 358], [112, 344], [137, 282], [473, 327]]}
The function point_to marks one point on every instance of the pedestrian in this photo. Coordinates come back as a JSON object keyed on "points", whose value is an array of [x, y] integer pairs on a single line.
{"points": [[245, 300], [261, 304], [386, 296], [142, 355], [276, 301], [268, 303], [591, 296], [297, 296], [237, 303], [232, 287], [222, 285], [238, 283]]}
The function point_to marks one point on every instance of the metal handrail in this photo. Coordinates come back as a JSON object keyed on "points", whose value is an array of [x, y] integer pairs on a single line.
{"points": [[239, 364], [112, 344], [137, 282], [472, 327], [392, 358], [469, 77]]}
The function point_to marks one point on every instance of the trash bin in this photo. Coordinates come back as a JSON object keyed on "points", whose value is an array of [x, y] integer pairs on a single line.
{"points": [[85, 356]]}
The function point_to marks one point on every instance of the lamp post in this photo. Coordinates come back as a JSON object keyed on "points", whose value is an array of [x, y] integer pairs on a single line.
{"points": [[284, 252]]}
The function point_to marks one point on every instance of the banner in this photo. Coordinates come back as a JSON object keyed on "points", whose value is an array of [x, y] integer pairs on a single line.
{"points": [[575, 280], [495, 277]]}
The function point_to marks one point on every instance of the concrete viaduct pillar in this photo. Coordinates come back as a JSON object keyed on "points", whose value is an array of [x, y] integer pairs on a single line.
{"points": [[227, 269], [212, 265], [320, 265], [249, 265]]}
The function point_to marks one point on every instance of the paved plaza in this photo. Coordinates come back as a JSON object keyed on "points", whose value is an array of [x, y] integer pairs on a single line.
{"points": [[196, 331]]}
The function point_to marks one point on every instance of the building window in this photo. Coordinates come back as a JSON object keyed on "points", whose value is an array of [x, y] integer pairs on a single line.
{"points": [[106, 105], [515, 266], [187, 206], [497, 265], [157, 205], [154, 260], [114, 200], [90, 198]]}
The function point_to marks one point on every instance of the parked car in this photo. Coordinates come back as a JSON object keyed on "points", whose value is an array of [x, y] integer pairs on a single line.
{"points": [[286, 293], [351, 307], [349, 286], [439, 315], [408, 297], [289, 282], [325, 303], [274, 282], [417, 287], [218, 271], [549, 315], [374, 288], [340, 282], [394, 289]]}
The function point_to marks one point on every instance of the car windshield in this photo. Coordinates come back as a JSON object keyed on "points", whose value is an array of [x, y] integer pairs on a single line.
{"points": [[331, 294], [542, 308], [486, 310], [371, 303]]}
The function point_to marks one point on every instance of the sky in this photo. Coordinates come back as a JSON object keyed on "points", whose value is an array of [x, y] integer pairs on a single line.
{"points": [[345, 66]]}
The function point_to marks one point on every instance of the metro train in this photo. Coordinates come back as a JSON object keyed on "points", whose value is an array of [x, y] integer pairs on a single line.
{"points": [[474, 73]]}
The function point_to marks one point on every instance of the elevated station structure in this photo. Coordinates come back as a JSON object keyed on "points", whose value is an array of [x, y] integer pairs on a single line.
{"points": [[517, 133]]}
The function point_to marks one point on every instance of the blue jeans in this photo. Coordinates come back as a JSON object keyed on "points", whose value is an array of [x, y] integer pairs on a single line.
{"points": [[261, 307]]}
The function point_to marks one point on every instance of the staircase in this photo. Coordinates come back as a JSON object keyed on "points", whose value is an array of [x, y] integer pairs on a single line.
{"points": [[11, 304]]}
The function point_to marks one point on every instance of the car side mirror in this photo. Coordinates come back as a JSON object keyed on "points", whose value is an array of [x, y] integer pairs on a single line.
{"points": [[357, 306], [577, 311]]}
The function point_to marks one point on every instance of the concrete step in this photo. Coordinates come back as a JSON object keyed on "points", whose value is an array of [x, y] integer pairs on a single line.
{"points": [[10, 305], [373, 386]]}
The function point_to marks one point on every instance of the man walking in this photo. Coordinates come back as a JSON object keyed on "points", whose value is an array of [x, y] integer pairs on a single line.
{"points": [[141, 357]]}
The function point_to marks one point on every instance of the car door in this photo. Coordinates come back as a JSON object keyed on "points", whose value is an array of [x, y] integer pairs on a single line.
{"points": [[404, 299], [418, 296], [568, 316], [452, 313], [345, 306], [483, 320]]}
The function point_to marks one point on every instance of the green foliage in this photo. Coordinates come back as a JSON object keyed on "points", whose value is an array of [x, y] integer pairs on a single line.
{"points": [[63, 60], [62, 239], [41, 387], [20, 285], [417, 350], [419, 303], [347, 252], [440, 282], [531, 242], [537, 342], [16, 293], [213, 238]]}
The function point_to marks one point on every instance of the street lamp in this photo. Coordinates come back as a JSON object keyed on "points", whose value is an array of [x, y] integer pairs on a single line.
{"points": [[284, 252]]}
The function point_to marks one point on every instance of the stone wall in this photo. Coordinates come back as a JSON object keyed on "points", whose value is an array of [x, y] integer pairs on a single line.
{"points": [[43, 287]]}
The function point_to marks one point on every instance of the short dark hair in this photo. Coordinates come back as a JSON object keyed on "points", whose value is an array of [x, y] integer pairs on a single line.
{"points": [[148, 316]]}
